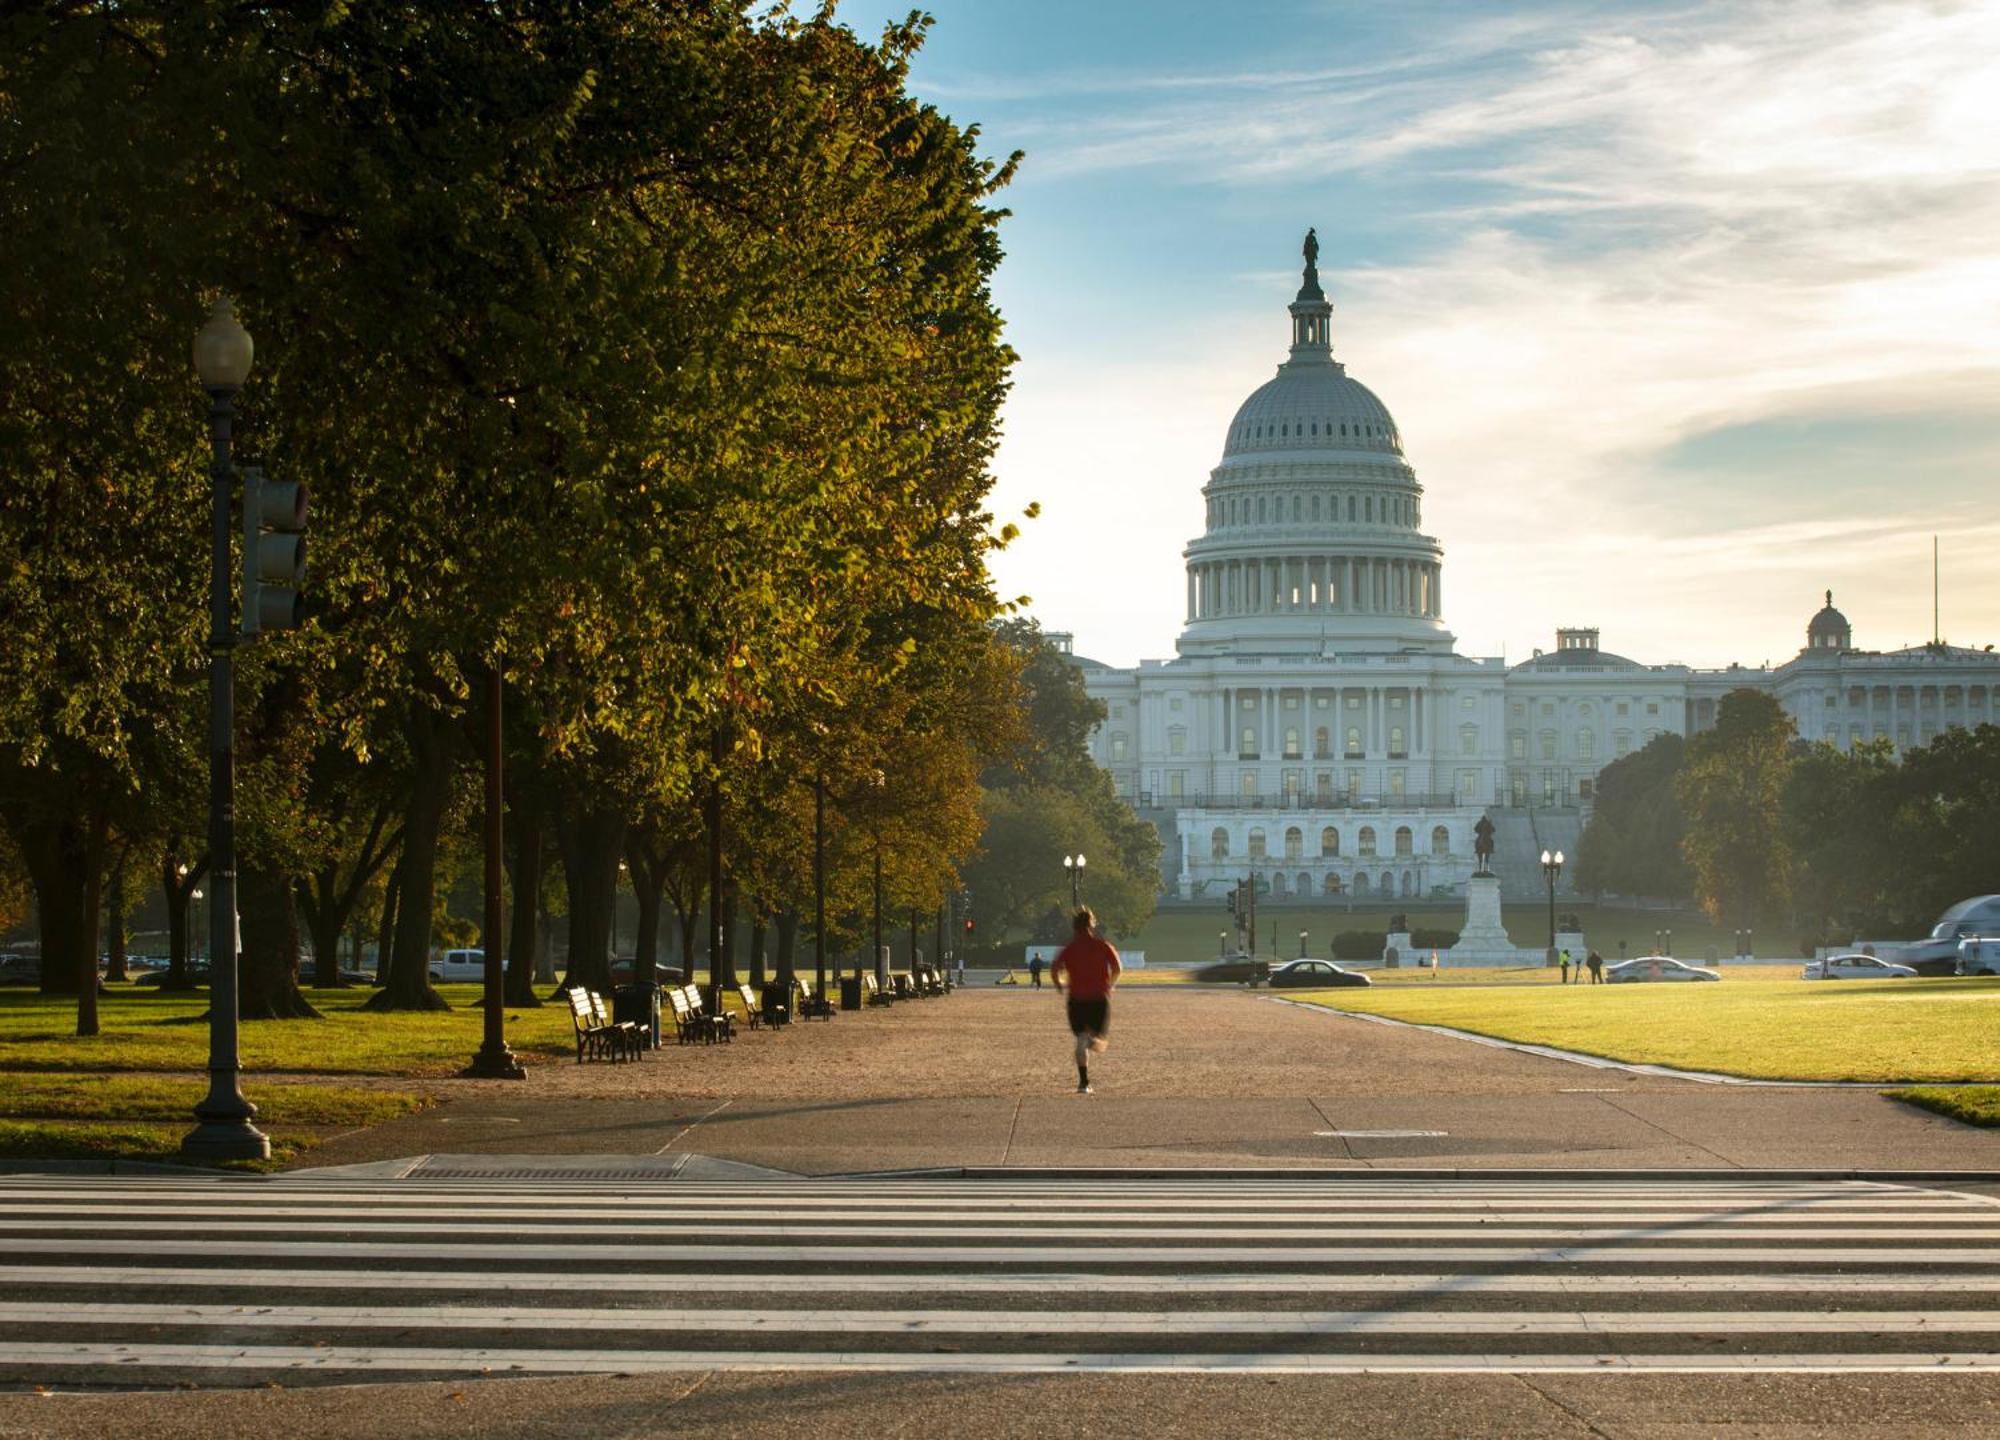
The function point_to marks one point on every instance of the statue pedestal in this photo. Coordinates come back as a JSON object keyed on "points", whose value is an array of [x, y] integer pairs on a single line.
{"points": [[1483, 939], [1395, 949]]}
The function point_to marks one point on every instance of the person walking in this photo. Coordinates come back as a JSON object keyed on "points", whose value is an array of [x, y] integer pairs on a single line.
{"points": [[1565, 967], [1596, 963], [1035, 971], [1090, 966]]}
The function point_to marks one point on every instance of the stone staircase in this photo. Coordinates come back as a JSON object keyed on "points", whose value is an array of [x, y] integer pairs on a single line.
{"points": [[1519, 837]]}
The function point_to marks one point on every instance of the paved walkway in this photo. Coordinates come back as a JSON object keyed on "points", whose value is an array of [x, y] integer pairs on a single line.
{"points": [[1195, 1077]]}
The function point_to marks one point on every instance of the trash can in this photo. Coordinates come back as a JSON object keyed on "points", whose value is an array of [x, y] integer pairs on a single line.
{"points": [[639, 1002], [850, 992], [776, 1002]]}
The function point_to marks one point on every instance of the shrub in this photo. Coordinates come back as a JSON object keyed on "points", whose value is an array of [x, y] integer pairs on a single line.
{"points": [[1359, 944], [1421, 939]]}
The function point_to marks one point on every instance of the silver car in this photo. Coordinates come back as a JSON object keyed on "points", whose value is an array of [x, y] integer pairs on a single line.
{"points": [[1656, 967], [1855, 967]]}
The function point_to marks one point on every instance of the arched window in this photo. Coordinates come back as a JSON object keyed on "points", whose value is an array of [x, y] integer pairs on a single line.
{"points": [[1218, 844], [1278, 883], [1364, 842], [1332, 885], [1409, 883], [1296, 507], [1322, 743], [1360, 882], [1315, 507], [1354, 742], [1440, 841], [1292, 743], [1295, 843], [1257, 844], [1405, 842], [1329, 842], [1388, 882]]}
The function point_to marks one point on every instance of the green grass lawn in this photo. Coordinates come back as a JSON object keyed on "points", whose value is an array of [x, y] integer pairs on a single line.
{"points": [[1773, 1028], [46, 1116], [1973, 1104], [145, 1030]]}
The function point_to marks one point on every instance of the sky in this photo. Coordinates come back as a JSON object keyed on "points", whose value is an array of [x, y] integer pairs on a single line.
{"points": [[1686, 312]]}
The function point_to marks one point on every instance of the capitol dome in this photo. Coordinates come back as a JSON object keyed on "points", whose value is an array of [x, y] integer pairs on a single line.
{"points": [[1314, 540], [1829, 630], [1312, 407]]}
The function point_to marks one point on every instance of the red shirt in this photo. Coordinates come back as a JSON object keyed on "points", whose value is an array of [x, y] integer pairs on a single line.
{"points": [[1092, 966]]}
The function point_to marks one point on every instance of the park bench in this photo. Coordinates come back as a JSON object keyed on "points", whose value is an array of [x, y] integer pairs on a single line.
{"points": [[905, 985], [690, 1024], [630, 1037], [874, 994], [812, 1003], [721, 1026], [594, 1036], [930, 981], [768, 1011]]}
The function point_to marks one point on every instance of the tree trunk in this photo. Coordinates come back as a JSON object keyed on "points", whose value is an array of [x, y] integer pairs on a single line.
{"points": [[689, 917], [524, 954], [57, 861], [268, 979], [385, 931], [646, 941], [591, 841], [114, 921], [324, 920], [178, 889], [409, 984], [786, 923], [759, 927], [87, 922]]}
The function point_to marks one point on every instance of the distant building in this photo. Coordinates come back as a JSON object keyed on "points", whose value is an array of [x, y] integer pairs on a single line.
{"points": [[1318, 726]]}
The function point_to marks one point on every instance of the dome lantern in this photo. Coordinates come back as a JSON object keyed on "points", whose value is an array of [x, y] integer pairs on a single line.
{"points": [[1829, 630]]}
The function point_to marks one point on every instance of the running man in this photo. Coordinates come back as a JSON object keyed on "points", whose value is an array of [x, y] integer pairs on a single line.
{"points": [[1092, 969]]}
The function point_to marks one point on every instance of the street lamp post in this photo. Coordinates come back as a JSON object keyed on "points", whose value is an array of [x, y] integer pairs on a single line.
{"points": [[880, 782], [1074, 865], [195, 915], [224, 1130], [1302, 944], [1552, 865], [1222, 942], [1668, 947], [493, 1060]]}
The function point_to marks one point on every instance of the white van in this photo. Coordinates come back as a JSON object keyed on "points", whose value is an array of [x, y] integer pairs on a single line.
{"points": [[459, 966], [1980, 956]]}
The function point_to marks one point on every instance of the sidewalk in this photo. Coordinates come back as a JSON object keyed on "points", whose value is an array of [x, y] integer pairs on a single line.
{"points": [[1204, 1078]]}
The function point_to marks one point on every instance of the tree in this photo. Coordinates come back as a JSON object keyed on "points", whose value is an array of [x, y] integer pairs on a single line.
{"points": [[1632, 845], [1839, 814], [1731, 789]]}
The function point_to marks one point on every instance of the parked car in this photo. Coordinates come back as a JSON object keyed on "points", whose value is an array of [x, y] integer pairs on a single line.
{"points": [[1316, 975], [197, 973], [1979, 955], [1937, 954], [459, 966], [621, 972], [1235, 968], [1657, 967], [20, 970], [1855, 967]]}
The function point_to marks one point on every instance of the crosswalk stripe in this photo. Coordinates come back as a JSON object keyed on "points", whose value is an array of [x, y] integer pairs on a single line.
{"points": [[245, 1280]]}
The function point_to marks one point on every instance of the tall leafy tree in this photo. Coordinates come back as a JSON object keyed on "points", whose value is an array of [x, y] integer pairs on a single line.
{"points": [[1731, 790]]}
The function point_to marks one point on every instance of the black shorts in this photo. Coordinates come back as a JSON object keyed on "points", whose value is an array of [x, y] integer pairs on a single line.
{"points": [[1092, 1017]]}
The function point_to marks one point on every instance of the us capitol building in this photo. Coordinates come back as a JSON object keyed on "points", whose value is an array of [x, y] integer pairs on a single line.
{"points": [[1318, 725]]}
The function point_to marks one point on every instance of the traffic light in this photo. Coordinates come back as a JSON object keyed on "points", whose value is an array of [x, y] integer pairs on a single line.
{"points": [[968, 924], [274, 552], [1232, 899]]}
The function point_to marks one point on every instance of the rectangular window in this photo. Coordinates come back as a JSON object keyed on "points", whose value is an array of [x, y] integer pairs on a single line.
{"points": [[1395, 784], [1249, 703], [1295, 781], [1174, 704], [1291, 702], [1176, 783], [1319, 702], [1117, 749], [1517, 746], [1176, 741], [1248, 783]]}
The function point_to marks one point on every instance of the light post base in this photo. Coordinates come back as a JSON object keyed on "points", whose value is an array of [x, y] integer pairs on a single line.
{"points": [[491, 1063], [226, 1137]]}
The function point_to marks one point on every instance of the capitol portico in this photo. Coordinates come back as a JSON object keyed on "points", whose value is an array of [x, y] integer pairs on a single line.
{"points": [[1318, 726]]}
